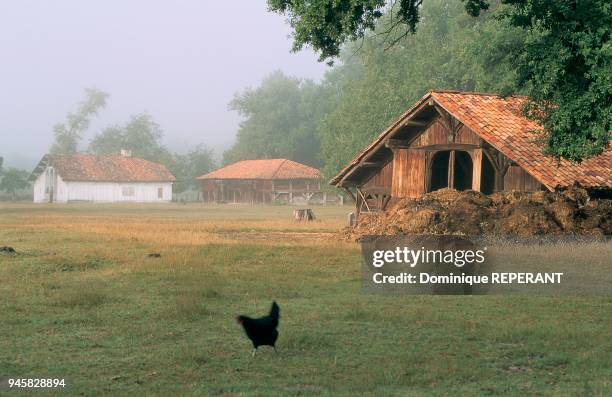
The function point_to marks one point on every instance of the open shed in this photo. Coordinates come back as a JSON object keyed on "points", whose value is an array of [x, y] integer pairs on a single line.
{"points": [[263, 181]]}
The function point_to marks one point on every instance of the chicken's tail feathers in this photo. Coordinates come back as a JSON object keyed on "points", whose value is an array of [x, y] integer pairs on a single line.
{"points": [[274, 311]]}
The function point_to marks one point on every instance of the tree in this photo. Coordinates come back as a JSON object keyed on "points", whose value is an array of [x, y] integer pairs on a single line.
{"points": [[566, 69], [142, 135], [280, 120], [14, 180], [327, 24], [564, 66], [188, 167], [68, 134]]}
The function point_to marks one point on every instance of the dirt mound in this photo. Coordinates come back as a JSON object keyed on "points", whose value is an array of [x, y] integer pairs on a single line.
{"points": [[448, 211]]}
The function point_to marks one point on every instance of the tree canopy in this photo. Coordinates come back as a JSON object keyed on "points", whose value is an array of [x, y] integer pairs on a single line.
{"points": [[328, 24], [563, 64], [141, 134], [565, 68], [279, 120], [187, 167]]}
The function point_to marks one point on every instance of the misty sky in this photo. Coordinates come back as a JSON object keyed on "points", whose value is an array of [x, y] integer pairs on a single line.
{"points": [[180, 60]]}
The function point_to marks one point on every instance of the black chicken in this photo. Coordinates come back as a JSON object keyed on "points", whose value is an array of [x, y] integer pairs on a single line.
{"points": [[261, 331]]}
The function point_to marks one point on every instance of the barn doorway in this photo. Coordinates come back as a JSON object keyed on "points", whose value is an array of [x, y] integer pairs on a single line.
{"points": [[451, 168], [439, 170], [462, 179]]}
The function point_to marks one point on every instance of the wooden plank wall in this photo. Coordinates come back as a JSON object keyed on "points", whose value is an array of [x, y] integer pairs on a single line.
{"points": [[518, 179], [435, 134], [465, 135], [409, 173], [383, 178]]}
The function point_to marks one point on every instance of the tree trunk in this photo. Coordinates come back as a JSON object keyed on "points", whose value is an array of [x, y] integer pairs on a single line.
{"points": [[303, 215]]}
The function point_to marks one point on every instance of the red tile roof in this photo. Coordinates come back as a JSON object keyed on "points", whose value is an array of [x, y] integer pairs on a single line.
{"points": [[264, 169], [499, 121], [92, 168]]}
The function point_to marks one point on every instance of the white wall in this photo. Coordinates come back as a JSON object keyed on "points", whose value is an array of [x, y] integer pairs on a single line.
{"points": [[39, 189], [114, 192], [101, 191]]}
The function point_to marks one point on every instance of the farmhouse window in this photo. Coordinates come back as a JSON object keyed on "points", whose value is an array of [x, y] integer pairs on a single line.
{"points": [[160, 192], [128, 191]]}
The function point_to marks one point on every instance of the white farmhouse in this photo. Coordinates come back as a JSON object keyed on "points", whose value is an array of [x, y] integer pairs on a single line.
{"points": [[86, 177]]}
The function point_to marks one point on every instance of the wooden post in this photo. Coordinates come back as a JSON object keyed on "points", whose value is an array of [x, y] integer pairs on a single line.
{"points": [[499, 180], [290, 192], [364, 200], [351, 219], [451, 170], [476, 169]]}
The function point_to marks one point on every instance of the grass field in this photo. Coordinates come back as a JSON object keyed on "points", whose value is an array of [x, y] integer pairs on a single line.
{"points": [[82, 301]]}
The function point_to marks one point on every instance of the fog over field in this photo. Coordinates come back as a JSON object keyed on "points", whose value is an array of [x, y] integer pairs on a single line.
{"points": [[180, 61]]}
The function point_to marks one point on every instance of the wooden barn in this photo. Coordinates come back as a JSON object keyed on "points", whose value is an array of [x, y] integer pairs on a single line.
{"points": [[462, 140], [86, 177], [263, 181]]}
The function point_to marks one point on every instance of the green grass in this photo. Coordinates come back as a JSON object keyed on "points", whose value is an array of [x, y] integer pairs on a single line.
{"points": [[82, 301]]}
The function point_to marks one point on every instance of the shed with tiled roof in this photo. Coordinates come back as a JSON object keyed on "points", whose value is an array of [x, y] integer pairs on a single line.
{"points": [[263, 181], [87, 177], [463, 140]]}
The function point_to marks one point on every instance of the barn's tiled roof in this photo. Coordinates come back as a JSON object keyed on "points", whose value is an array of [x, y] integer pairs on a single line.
{"points": [[264, 169], [499, 122], [92, 168]]}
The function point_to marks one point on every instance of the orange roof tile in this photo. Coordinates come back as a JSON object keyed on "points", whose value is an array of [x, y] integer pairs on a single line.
{"points": [[92, 168], [264, 169], [499, 121]]}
